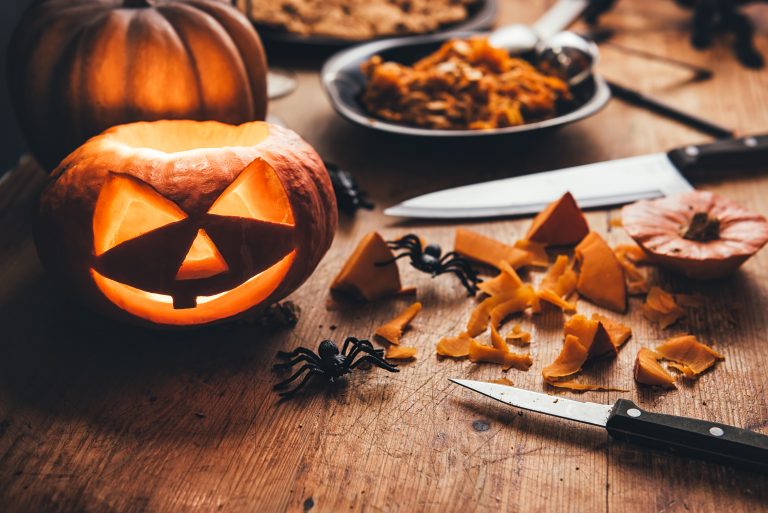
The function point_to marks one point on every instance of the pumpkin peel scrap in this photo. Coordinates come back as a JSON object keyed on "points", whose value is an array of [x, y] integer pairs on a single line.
{"points": [[601, 276], [401, 353], [617, 332], [507, 359], [362, 277], [660, 307], [454, 347], [490, 251], [517, 336], [392, 331], [506, 281], [637, 282], [688, 355], [649, 371], [538, 251], [561, 223]]}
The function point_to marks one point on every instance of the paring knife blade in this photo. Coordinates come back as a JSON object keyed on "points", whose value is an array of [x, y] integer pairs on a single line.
{"points": [[624, 420], [608, 183]]}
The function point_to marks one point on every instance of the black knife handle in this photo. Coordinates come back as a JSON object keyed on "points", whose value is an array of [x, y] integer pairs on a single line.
{"points": [[741, 152], [691, 437]]}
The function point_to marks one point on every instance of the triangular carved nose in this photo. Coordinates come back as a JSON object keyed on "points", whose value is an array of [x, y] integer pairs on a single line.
{"points": [[203, 260]]}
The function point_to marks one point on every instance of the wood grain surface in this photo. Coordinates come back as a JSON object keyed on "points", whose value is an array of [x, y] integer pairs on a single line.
{"points": [[97, 417]]}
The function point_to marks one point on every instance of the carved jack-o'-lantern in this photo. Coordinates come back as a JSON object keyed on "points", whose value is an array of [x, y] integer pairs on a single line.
{"points": [[78, 67], [187, 223]]}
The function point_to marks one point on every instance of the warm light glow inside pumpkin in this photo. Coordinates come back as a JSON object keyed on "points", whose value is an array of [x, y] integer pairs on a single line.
{"points": [[128, 209]]}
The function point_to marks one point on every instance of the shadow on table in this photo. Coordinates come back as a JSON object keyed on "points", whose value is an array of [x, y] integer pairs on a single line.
{"points": [[59, 360]]}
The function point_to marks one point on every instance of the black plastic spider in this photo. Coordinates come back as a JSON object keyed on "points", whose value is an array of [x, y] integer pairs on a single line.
{"points": [[431, 260], [329, 362], [349, 197]]}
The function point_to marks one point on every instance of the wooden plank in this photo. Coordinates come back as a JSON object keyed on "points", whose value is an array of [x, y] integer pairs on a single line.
{"points": [[99, 417]]}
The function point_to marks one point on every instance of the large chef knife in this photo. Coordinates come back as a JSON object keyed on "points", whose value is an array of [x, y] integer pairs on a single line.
{"points": [[625, 421], [593, 185]]}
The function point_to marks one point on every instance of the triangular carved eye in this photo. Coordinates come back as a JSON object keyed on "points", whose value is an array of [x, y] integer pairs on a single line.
{"points": [[256, 194], [128, 208]]}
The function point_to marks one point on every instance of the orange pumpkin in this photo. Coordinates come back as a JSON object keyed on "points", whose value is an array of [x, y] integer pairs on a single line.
{"points": [[698, 233], [78, 67], [185, 223]]}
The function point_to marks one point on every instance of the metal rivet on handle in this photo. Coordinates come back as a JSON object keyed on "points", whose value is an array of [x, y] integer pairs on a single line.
{"points": [[692, 151], [716, 431], [634, 412], [750, 141]]}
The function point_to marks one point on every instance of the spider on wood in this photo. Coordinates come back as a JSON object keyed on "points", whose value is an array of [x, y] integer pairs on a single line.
{"points": [[329, 362], [430, 259]]}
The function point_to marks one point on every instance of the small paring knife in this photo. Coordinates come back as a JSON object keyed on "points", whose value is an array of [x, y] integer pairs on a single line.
{"points": [[614, 182], [625, 421]]}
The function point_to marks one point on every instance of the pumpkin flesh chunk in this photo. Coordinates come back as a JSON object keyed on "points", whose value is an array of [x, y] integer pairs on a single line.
{"points": [[392, 331], [617, 332], [517, 336], [584, 340], [637, 283], [661, 307], [489, 251], [454, 347], [538, 251], [400, 353], [690, 356], [507, 280], [561, 223], [507, 359], [649, 371], [362, 278], [601, 277]]}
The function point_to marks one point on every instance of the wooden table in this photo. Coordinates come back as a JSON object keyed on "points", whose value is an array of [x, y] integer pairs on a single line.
{"points": [[99, 417]]}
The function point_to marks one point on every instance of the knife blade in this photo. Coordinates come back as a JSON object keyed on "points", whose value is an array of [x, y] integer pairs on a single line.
{"points": [[624, 420], [601, 184]]}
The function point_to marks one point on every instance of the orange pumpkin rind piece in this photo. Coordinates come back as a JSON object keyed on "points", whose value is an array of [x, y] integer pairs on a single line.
{"points": [[392, 331], [454, 347], [507, 359], [560, 278], [637, 283], [660, 307], [601, 276], [583, 387], [689, 355], [362, 278], [490, 251], [725, 233], [649, 371], [515, 303], [551, 297], [401, 353], [571, 359], [618, 333], [505, 282], [538, 251], [561, 223], [592, 335], [517, 336]]}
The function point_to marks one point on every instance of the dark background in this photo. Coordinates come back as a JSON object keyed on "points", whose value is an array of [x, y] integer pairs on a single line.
{"points": [[13, 145]]}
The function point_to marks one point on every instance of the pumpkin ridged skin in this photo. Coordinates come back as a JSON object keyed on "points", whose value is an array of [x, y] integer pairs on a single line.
{"points": [[657, 227], [78, 67], [64, 226]]}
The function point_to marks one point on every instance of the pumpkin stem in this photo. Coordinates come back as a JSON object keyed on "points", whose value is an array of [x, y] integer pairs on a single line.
{"points": [[703, 228], [135, 4]]}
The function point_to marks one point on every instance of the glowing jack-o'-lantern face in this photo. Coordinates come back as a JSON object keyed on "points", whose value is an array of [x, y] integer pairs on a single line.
{"points": [[209, 255]]}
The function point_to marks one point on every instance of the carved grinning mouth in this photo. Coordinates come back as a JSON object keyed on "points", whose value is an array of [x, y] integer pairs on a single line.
{"points": [[150, 252]]}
